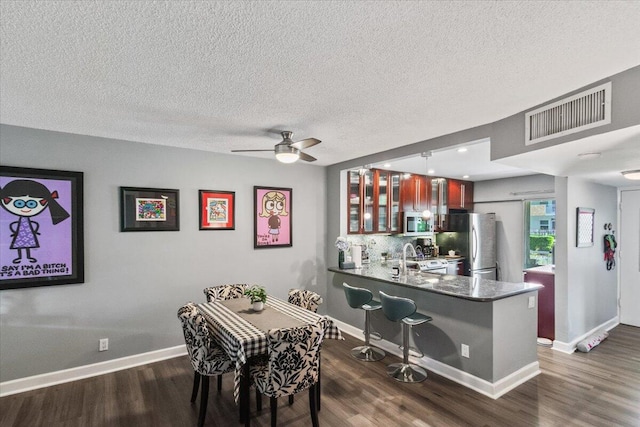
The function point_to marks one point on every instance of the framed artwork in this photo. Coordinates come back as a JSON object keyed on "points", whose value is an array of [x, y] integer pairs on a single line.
{"points": [[584, 227], [217, 210], [272, 210], [41, 227], [149, 209]]}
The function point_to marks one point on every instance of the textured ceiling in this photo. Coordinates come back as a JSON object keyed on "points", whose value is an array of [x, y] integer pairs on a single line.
{"points": [[361, 76]]}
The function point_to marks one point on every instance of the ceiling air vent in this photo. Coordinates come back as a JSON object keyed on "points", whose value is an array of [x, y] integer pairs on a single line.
{"points": [[579, 112]]}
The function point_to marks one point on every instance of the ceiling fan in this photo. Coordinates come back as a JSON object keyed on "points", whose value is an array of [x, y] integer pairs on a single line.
{"points": [[288, 151]]}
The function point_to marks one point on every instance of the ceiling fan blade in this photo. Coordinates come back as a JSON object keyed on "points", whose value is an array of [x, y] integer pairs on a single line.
{"points": [[246, 151], [307, 158], [306, 143]]}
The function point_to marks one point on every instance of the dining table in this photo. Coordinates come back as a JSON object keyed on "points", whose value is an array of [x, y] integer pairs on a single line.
{"points": [[242, 332]]}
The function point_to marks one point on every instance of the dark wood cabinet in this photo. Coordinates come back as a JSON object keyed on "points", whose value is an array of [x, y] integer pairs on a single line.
{"points": [[460, 194], [415, 193], [373, 201], [546, 300]]}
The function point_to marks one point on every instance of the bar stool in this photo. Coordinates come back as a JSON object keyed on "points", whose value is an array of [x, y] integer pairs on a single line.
{"points": [[398, 309], [363, 299]]}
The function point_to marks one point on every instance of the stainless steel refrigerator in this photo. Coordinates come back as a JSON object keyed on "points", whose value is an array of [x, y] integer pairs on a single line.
{"points": [[473, 236]]}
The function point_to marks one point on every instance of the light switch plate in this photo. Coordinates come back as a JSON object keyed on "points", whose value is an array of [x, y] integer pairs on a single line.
{"points": [[532, 302]]}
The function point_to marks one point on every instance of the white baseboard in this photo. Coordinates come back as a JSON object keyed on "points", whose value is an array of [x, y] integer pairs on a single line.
{"points": [[570, 347], [492, 390], [52, 378]]}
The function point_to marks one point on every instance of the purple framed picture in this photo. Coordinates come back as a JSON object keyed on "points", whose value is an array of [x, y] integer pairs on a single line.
{"points": [[272, 211], [41, 227]]}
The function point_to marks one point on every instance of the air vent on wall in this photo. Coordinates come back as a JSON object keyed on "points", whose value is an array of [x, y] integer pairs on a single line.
{"points": [[579, 112]]}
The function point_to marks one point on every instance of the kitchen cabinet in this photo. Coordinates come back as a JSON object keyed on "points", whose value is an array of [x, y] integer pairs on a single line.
{"points": [[415, 193], [460, 194], [374, 201], [387, 196], [545, 276], [447, 195]]}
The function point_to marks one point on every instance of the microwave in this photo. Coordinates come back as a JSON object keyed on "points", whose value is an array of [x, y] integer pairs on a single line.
{"points": [[414, 224]]}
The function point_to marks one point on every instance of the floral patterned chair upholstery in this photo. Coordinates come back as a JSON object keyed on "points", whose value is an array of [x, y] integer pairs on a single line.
{"points": [[207, 357], [224, 292], [292, 366], [305, 299]]}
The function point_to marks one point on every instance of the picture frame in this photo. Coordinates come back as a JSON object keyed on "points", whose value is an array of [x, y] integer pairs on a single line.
{"points": [[272, 212], [217, 210], [149, 209], [585, 218], [46, 246]]}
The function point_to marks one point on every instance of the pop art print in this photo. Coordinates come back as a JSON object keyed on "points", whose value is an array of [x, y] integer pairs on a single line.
{"points": [[272, 213], [40, 227]]}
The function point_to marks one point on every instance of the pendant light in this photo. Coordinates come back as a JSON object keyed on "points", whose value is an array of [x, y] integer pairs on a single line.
{"points": [[426, 213]]}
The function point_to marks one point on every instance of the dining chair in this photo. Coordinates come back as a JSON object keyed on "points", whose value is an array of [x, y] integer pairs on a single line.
{"points": [[308, 300], [304, 298], [207, 357], [404, 310], [224, 292], [292, 365]]}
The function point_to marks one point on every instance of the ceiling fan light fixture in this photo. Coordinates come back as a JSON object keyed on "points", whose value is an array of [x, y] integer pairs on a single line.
{"points": [[287, 154], [634, 174]]}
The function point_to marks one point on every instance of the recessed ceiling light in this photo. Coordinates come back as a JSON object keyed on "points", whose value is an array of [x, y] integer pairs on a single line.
{"points": [[431, 171], [465, 176], [387, 165], [588, 156], [462, 150], [631, 174]]}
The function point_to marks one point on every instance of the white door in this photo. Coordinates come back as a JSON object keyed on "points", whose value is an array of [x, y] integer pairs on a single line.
{"points": [[629, 260]]}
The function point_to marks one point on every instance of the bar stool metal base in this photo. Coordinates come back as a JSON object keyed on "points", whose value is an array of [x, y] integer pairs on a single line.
{"points": [[367, 353], [406, 372]]}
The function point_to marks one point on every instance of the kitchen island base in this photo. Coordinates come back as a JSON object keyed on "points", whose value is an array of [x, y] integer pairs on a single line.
{"points": [[500, 334]]}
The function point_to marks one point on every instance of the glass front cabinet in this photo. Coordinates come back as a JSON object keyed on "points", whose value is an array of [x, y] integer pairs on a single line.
{"points": [[374, 201]]}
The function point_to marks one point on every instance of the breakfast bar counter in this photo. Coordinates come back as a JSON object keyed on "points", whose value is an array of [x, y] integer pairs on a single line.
{"points": [[483, 334], [472, 288]]}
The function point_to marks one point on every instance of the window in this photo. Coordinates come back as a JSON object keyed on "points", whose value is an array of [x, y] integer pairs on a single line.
{"points": [[539, 232]]}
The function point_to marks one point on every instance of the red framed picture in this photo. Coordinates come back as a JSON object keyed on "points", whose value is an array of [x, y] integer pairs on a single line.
{"points": [[217, 210]]}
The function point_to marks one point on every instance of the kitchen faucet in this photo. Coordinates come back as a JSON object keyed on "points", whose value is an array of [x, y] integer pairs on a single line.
{"points": [[404, 256]]}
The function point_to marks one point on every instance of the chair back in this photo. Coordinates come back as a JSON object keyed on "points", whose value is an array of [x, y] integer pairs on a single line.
{"points": [[308, 300], [396, 308], [207, 357], [224, 292], [294, 359], [357, 297]]}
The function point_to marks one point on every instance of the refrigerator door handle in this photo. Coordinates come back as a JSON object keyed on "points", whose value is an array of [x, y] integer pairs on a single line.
{"points": [[474, 244]]}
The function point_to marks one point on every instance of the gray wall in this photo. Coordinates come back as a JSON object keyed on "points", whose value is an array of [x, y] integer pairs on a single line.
{"points": [[135, 282], [586, 292], [508, 134]]}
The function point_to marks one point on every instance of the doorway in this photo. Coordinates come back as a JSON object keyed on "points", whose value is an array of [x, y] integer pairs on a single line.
{"points": [[629, 257]]}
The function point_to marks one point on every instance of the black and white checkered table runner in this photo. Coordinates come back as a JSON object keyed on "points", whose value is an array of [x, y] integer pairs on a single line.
{"points": [[242, 340]]}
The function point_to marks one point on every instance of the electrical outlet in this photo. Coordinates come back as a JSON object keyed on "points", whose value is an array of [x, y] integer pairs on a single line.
{"points": [[464, 349], [532, 302], [104, 344]]}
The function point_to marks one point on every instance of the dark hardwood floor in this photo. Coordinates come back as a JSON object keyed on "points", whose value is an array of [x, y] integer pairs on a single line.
{"points": [[600, 388]]}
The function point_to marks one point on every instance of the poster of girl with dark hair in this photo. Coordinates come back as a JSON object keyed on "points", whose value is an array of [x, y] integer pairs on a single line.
{"points": [[39, 224]]}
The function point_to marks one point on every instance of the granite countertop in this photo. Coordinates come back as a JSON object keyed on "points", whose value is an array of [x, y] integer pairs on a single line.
{"points": [[542, 269], [471, 288]]}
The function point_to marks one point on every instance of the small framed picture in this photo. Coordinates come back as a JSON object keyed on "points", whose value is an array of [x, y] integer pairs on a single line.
{"points": [[272, 210], [584, 227], [149, 209], [217, 210]]}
